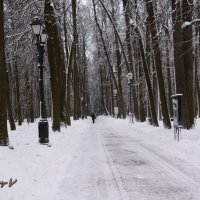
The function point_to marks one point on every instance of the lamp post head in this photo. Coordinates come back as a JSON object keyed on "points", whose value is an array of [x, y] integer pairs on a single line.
{"points": [[129, 78], [37, 25], [44, 35]]}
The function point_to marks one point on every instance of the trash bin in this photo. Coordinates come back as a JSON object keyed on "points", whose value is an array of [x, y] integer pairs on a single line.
{"points": [[43, 127]]}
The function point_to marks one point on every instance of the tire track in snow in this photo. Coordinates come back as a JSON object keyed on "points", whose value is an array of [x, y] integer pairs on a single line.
{"points": [[166, 165], [172, 169], [115, 173]]}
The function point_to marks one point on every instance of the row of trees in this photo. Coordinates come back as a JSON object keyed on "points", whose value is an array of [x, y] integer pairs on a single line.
{"points": [[159, 43], [90, 49]]}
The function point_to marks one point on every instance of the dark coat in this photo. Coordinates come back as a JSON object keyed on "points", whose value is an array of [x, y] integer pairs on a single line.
{"points": [[93, 116]]}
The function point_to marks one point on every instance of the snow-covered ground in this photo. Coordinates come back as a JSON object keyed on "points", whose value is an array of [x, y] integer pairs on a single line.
{"points": [[108, 160]]}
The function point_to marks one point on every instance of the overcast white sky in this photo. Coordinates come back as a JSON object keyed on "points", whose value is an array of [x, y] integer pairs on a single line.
{"points": [[84, 1]]}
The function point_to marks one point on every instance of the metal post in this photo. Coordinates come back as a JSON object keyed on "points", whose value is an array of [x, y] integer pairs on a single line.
{"points": [[130, 80], [177, 122], [43, 126], [131, 107]]}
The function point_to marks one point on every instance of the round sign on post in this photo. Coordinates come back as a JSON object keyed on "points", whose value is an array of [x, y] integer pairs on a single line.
{"points": [[176, 100]]}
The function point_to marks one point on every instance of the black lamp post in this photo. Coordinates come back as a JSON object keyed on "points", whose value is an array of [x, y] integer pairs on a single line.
{"points": [[130, 82], [41, 37]]}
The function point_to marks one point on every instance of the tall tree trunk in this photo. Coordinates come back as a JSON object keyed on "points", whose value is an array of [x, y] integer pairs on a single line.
{"points": [[127, 15], [148, 82], [18, 104], [169, 90], [168, 70], [75, 67], [56, 64], [102, 93], [9, 106], [118, 70], [187, 8], [69, 77], [180, 72], [68, 70], [65, 29], [118, 77], [198, 94], [158, 63], [141, 92], [3, 115], [31, 103]]}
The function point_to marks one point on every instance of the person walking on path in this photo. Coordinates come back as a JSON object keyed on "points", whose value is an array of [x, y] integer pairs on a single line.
{"points": [[93, 117]]}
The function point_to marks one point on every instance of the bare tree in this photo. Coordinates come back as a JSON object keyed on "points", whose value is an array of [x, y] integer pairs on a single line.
{"points": [[158, 63], [3, 113], [183, 59]]}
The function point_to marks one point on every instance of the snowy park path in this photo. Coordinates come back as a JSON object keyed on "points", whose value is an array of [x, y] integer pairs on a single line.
{"points": [[108, 160], [109, 165]]}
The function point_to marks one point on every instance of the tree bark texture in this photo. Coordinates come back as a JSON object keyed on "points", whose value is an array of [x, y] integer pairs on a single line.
{"points": [[187, 8], [148, 82], [9, 106], [18, 102], [3, 114], [57, 66], [179, 63], [127, 14], [75, 67], [158, 63]]}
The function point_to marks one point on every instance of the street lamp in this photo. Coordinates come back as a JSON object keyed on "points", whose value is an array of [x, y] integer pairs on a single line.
{"points": [[41, 37], [130, 82], [37, 26]]}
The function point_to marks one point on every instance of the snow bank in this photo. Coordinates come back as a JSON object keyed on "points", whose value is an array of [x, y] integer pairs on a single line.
{"points": [[39, 169]]}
